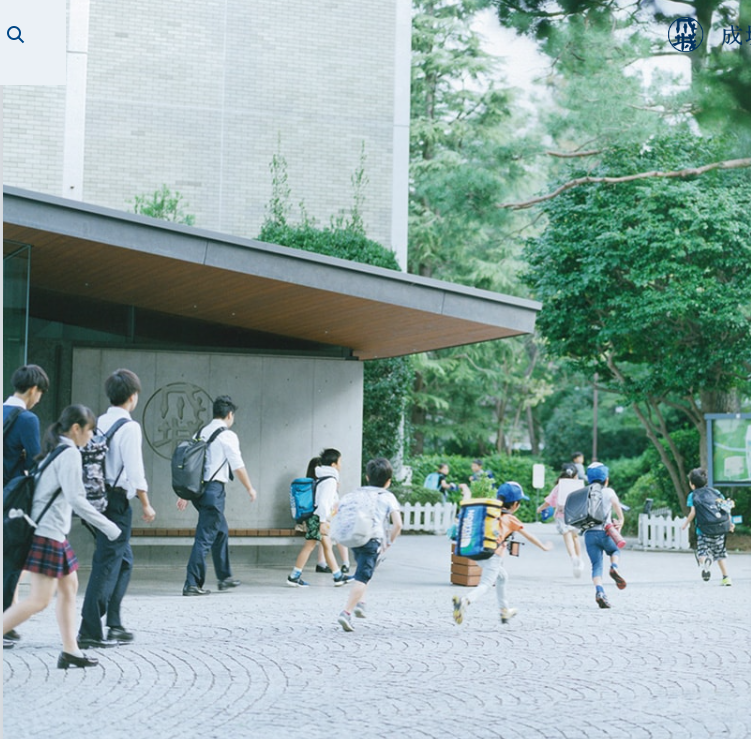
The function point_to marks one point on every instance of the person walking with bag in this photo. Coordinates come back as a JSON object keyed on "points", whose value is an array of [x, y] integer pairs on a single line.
{"points": [[51, 562], [112, 564], [223, 458]]}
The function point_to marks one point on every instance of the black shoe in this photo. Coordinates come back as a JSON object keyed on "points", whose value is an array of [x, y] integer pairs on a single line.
{"points": [[8, 643], [65, 660], [85, 643], [345, 569], [13, 635], [323, 568], [602, 601], [228, 583], [118, 633], [195, 590]]}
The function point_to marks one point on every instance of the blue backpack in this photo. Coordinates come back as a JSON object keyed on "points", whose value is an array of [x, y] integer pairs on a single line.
{"points": [[302, 496], [432, 481]]}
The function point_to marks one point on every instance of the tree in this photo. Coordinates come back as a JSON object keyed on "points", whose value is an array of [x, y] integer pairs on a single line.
{"points": [[648, 283], [591, 40], [464, 158], [165, 205]]}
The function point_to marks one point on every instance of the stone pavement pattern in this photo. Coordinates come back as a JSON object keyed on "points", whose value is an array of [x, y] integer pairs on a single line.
{"points": [[672, 658]]}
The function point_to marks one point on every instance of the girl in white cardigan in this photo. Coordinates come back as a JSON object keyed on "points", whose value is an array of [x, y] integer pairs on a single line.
{"points": [[51, 561]]}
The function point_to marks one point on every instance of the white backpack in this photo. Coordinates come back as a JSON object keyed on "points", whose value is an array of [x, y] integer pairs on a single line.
{"points": [[354, 523]]}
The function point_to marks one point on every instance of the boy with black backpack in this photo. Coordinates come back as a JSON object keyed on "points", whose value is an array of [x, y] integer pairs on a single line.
{"points": [[710, 509]]}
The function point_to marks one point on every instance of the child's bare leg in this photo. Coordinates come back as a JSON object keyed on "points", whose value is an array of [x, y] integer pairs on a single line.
{"points": [[568, 540], [305, 552], [723, 568]]}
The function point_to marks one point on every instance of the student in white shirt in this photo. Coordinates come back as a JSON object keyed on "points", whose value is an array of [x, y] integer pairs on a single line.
{"points": [[112, 564], [51, 562], [223, 459]]}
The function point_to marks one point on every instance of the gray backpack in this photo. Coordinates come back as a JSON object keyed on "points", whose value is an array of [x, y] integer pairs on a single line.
{"points": [[585, 508]]}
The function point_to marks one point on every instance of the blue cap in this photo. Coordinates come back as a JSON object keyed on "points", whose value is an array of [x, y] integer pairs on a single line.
{"points": [[597, 472], [510, 492]]}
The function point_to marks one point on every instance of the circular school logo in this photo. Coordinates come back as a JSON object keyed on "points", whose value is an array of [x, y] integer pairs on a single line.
{"points": [[173, 414], [685, 34]]}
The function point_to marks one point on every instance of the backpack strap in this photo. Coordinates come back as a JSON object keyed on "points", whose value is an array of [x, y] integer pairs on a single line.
{"points": [[41, 467], [116, 426], [226, 461], [11, 419], [315, 486]]}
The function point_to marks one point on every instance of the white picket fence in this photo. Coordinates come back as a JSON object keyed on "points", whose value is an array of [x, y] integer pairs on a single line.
{"points": [[434, 517], [662, 532]]}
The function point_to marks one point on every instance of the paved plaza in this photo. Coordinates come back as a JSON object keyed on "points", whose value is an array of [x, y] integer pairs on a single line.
{"points": [[672, 658]]}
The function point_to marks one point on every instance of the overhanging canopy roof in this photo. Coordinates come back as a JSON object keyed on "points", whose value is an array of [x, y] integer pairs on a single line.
{"points": [[104, 254]]}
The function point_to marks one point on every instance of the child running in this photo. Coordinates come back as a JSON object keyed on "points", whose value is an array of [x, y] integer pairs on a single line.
{"points": [[709, 547], [597, 541], [493, 572], [51, 561], [570, 533]]}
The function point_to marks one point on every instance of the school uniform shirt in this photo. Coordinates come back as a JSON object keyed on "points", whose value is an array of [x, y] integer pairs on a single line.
{"points": [[124, 460], [224, 449], [22, 437], [65, 472], [327, 492]]}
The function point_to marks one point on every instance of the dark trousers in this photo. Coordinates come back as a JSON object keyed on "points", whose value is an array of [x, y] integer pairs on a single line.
{"points": [[110, 571], [212, 533]]}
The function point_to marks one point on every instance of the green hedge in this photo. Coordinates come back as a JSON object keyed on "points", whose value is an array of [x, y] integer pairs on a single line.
{"points": [[503, 467]]}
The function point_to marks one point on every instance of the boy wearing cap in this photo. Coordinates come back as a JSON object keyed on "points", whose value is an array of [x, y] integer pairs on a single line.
{"points": [[597, 541], [493, 572]]}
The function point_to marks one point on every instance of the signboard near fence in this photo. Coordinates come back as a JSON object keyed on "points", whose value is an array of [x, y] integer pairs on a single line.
{"points": [[729, 441]]}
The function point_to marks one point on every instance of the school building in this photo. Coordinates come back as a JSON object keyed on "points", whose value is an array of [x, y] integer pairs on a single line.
{"points": [[196, 313], [200, 97]]}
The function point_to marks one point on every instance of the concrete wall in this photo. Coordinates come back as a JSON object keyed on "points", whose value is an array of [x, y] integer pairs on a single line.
{"points": [[289, 409], [200, 96]]}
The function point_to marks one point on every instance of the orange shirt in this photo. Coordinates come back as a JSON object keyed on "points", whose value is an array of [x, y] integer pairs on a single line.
{"points": [[507, 524]]}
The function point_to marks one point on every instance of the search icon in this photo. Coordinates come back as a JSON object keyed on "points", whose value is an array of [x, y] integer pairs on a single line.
{"points": [[17, 37]]}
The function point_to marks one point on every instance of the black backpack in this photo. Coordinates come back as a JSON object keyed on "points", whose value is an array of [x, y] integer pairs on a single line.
{"points": [[94, 472], [585, 508], [18, 499], [188, 462], [711, 518]]}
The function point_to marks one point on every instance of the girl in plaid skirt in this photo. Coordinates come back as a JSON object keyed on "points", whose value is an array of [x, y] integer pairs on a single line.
{"points": [[51, 562]]}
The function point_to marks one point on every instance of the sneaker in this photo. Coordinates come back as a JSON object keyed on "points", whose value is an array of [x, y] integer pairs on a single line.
{"points": [[13, 635], [360, 610], [345, 569], [706, 571], [345, 621], [578, 566], [323, 568], [507, 614], [460, 606], [8, 643], [602, 600], [342, 580], [620, 583], [297, 582], [726, 581]]}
